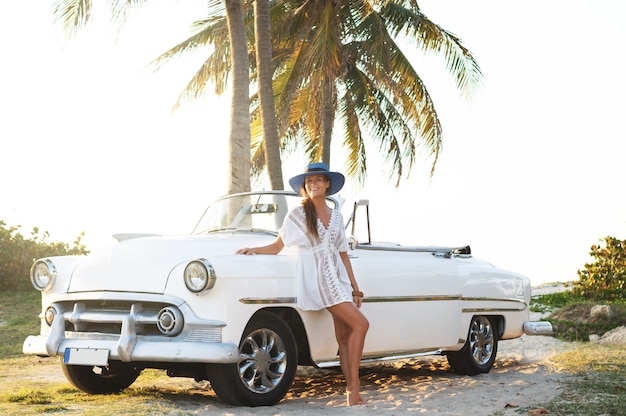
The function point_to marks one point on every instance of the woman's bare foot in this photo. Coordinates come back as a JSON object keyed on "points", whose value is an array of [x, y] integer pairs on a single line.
{"points": [[355, 399]]}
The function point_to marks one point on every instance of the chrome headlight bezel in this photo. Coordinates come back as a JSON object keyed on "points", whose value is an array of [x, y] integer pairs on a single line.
{"points": [[43, 274], [199, 276], [50, 314]]}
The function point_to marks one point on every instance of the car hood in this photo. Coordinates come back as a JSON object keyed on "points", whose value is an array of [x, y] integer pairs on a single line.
{"points": [[144, 263]]}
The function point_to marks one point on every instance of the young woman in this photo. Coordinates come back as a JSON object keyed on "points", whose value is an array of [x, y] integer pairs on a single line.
{"points": [[325, 276]]}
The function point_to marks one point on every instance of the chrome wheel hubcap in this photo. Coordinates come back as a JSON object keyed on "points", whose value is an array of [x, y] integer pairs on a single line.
{"points": [[481, 340], [262, 361]]}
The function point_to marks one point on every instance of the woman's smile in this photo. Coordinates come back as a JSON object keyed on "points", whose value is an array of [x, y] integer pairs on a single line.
{"points": [[316, 183]]}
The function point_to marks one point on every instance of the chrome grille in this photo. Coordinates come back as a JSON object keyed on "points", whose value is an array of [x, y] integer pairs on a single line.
{"points": [[205, 335], [104, 319]]}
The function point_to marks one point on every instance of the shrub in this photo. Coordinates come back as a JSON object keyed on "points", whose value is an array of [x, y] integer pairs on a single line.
{"points": [[605, 278], [18, 253], [575, 323]]}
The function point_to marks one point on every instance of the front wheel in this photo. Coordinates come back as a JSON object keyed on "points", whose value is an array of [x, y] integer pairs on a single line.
{"points": [[267, 364], [113, 378], [480, 349]]}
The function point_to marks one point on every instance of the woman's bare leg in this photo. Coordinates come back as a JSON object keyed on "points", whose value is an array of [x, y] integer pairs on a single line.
{"points": [[342, 333], [350, 329]]}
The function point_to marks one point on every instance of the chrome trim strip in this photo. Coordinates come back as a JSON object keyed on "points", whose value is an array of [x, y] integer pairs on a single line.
{"points": [[267, 301], [474, 310], [463, 251], [374, 299], [404, 248], [496, 300], [377, 299], [522, 306], [404, 355]]}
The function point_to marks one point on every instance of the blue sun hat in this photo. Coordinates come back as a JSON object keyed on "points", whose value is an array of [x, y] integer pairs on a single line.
{"points": [[336, 179]]}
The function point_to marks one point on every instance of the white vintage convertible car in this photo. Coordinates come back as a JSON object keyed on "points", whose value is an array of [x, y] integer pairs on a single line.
{"points": [[189, 305]]}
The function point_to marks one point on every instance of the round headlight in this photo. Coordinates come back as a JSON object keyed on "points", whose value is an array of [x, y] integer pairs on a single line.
{"points": [[199, 276], [42, 274]]}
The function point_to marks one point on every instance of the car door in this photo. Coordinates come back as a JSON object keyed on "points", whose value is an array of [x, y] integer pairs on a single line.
{"points": [[412, 298]]}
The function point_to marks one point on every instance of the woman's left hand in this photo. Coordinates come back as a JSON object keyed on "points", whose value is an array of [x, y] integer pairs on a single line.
{"points": [[357, 296]]}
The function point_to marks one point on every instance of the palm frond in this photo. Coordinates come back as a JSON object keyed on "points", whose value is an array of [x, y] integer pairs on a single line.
{"points": [[213, 70], [211, 32], [121, 10], [390, 88], [353, 141], [71, 15], [430, 37], [370, 108]]}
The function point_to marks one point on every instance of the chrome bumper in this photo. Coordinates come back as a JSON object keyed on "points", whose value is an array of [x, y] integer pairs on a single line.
{"points": [[129, 347], [171, 352], [538, 328]]}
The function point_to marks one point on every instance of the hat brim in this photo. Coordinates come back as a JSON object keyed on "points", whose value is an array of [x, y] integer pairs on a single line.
{"points": [[337, 180]]}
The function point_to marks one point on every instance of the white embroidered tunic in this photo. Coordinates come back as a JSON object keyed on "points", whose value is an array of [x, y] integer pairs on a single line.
{"points": [[322, 279]]}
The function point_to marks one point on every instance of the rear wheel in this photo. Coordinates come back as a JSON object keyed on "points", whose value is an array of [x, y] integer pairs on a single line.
{"points": [[267, 364], [113, 378], [480, 349]]}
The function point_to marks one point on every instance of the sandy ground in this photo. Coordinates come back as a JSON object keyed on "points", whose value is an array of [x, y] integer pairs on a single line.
{"points": [[523, 377]]}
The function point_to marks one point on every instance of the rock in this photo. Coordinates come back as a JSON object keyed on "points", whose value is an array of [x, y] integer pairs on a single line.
{"points": [[601, 311], [594, 338], [615, 336]]}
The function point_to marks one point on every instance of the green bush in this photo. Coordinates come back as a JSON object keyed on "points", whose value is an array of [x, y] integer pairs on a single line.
{"points": [[575, 323], [18, 253], [553, 301], [571, 318], [605, 278]]}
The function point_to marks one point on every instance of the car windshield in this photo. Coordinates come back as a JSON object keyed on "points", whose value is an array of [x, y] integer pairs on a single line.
{"points": [[257, 212]]}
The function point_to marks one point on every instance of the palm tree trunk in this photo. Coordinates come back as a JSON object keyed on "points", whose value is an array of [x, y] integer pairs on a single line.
{"points": [[266, 93], [239, 136], [328, 117]]}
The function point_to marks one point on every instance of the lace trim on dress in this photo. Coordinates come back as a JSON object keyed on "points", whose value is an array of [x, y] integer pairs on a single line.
{"points": [[330, 270]]}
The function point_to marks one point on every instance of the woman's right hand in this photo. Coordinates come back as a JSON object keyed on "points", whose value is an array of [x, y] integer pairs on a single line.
{"points": [[273, 248], [246, 250]]}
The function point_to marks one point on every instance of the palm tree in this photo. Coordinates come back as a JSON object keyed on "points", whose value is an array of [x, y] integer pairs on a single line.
{"points": [[263, 43], [342, 62], [239, 143], [213, 31], [73, 15], [339, 60]]}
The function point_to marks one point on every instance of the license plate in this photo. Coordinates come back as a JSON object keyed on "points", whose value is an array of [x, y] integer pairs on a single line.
{"points": [[86, 356]]}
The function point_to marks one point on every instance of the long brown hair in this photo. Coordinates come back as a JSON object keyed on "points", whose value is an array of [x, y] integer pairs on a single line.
{"points": [[310, 214]]}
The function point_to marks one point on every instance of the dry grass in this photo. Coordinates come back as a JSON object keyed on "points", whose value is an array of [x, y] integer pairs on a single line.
{"points": [[598, 385]]}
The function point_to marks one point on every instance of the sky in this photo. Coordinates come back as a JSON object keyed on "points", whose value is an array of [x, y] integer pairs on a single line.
{"points": [[531, 174]]}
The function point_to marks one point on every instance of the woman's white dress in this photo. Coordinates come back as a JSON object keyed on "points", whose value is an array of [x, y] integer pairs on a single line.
{"points": [[322, 279]]}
